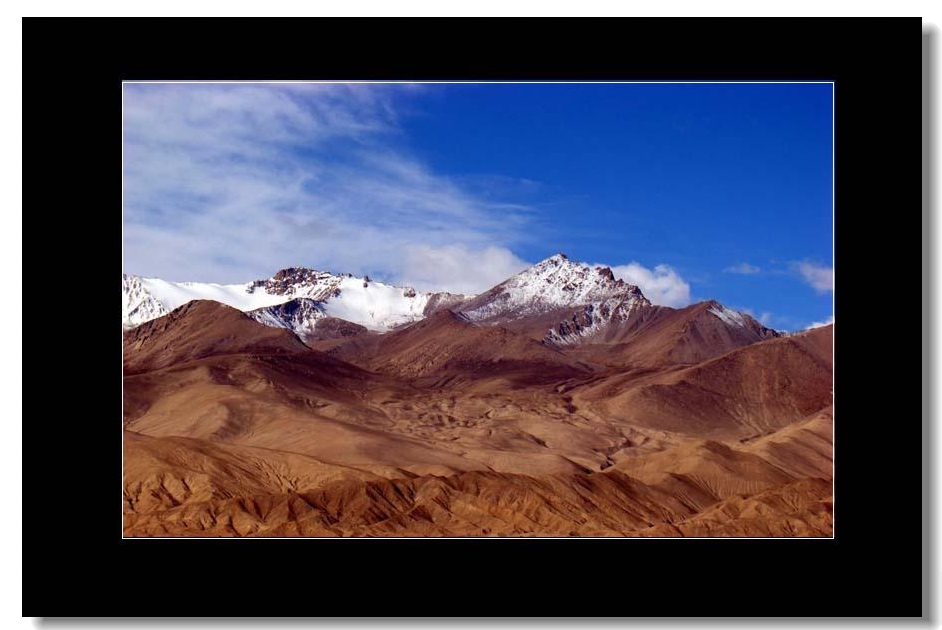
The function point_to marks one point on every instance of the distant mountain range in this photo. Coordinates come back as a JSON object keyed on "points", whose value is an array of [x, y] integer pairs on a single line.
{"points": [[576, 302]]}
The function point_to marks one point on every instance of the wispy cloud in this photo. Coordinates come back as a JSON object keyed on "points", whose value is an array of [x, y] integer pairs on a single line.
{"points": [[662, 285], [229, 182], [819, 277], [743, 268], [458, 267]]}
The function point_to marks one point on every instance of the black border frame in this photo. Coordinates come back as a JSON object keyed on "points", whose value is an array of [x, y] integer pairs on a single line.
{"points": [[71, 455]]}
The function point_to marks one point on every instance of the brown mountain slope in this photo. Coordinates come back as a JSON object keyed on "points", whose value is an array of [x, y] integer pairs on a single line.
{"points": [[658, 336], [445, 345], [161, 473], [799, 509], [317, 405], [469, 504], [473, 504], [290, 404], [198, 329], [802, 449], [446, 427], [702, 473], [336, 328], [259, 386], [185, 487], [745, 393]]}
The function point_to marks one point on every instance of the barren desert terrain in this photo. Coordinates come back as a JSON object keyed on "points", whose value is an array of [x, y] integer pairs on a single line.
{"points": [[664, 422]]}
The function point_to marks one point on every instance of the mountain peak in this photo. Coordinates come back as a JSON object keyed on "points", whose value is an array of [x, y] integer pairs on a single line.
{"points": [[554, 283], [294, 297], [606, 272], [732, 317], [290, 279], [556, 260], [201, 328]]}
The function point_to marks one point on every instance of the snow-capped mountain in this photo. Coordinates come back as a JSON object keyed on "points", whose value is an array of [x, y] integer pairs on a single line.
{"points": [[563, 301], [551, 284], [579, 303], [149, 298], [293, 298]]}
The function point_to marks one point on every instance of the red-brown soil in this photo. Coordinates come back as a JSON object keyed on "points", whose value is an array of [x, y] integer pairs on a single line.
{"points": [[451, 428]]}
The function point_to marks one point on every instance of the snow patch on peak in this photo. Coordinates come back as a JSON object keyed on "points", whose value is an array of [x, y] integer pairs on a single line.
{"points": [[149, 298], [728, 315], [593, 319], [316, 294], [139, 305], [555, 282], [376, 305]]}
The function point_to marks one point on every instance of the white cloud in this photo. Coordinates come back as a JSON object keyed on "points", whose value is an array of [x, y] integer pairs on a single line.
{"points": [[228, 183], [818, 276], [662, 285], [829, 320], [457, 268], [743, 268]]}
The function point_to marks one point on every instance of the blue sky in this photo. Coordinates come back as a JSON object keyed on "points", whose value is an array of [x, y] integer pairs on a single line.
{"points": [[692, 191]]}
